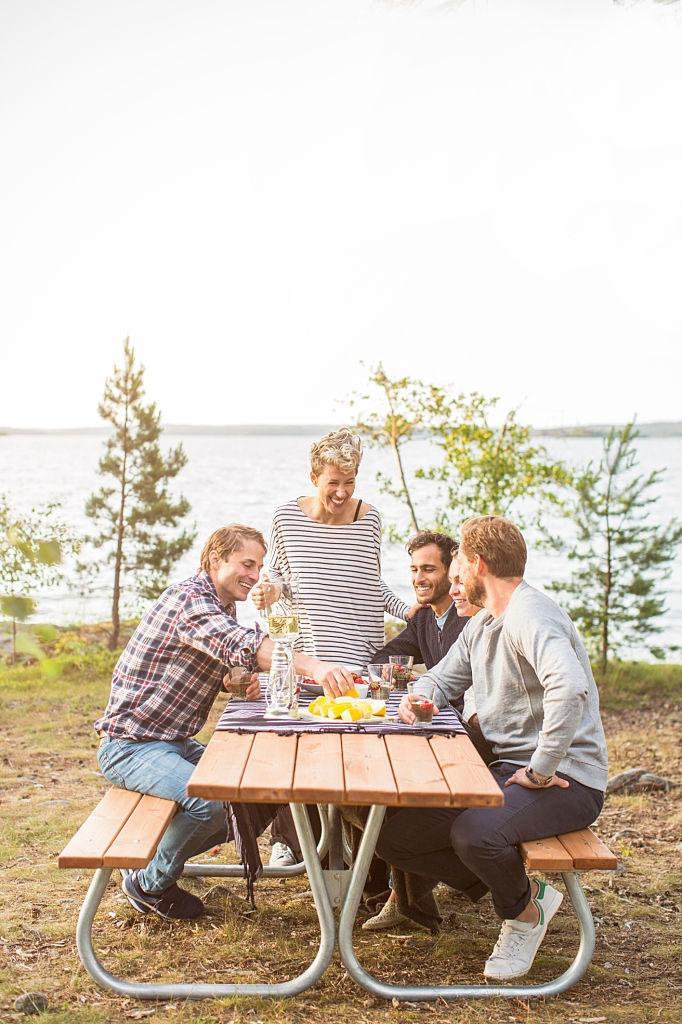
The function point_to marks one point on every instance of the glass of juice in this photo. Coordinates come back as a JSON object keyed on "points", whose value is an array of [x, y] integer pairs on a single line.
{"points": [[238, 683]]}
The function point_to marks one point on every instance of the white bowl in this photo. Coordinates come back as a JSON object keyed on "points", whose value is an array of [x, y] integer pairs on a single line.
{"points": [[362, 690]]}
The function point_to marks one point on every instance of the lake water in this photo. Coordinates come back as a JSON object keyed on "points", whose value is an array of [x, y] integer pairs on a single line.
{"points": [[243, 478]]}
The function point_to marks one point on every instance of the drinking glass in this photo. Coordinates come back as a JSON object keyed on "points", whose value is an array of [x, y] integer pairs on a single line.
{"points": [[238, 683], [402, 669], [380, 680], [421, 703]]}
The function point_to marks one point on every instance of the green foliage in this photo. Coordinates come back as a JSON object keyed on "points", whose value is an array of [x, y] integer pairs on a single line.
{"points": [[135, 513], [32, 546], [621, 558], [484, 469]]}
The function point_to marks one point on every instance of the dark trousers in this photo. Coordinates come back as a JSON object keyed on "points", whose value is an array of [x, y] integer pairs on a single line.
{"points": [[475, 849]]}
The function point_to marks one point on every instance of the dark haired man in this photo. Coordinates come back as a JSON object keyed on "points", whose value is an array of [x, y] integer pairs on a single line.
{"points": [[435, 626], [163, 687]]}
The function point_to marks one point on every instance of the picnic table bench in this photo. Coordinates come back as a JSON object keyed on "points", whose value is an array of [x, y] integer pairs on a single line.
{"points": [[377, 771]]}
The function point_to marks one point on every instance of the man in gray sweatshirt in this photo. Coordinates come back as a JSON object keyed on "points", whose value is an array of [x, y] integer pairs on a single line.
{"points": [[538, 707]]}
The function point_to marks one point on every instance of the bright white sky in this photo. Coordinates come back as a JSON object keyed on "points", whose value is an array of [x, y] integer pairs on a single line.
{"points": [[264, 193]]}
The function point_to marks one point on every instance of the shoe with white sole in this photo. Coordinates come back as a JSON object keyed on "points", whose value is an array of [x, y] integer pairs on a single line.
{"points": [[388, 917], [281, 856], [519, 941]]}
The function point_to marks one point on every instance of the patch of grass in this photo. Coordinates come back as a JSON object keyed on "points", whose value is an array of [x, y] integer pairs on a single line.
{"points": [[636, 684]]}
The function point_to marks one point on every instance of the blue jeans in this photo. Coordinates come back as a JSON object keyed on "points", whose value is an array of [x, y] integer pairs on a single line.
{"points": [[162, 768]]}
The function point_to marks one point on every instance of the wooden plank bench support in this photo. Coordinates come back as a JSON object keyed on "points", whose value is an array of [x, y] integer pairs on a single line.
{"points": [[123, 831], [572, 851]]}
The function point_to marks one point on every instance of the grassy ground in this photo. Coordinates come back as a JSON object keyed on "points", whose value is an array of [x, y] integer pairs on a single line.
{"points": [[49, 782]]}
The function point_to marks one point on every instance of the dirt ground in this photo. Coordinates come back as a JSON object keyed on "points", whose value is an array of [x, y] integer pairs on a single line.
{"points": [[49, 782]]}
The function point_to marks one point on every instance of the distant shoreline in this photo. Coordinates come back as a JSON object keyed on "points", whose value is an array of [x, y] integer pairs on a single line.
{"points": [[660, 429]]}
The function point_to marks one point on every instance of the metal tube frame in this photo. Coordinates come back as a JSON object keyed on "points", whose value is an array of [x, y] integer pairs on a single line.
{"points": [[177, 990], [414, 993], [329, 936]]}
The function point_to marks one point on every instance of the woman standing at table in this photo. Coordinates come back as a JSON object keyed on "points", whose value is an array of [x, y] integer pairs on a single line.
{"points": [[332, 541]]}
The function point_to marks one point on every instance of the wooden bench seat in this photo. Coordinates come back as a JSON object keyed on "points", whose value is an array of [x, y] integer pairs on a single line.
{"points": [[573, 851], [123, 831]]}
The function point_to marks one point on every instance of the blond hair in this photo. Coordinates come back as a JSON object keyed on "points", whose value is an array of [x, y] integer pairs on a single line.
{"points": [[340, 448], [228, 539], [496, 540]]}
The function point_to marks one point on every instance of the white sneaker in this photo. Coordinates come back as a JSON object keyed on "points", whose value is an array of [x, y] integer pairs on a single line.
{"points": [[519, 941], [281, 856]]}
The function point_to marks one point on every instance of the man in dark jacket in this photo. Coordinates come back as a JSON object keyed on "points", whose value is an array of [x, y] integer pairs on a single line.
{"points": [[433, 629], [428, 636]]}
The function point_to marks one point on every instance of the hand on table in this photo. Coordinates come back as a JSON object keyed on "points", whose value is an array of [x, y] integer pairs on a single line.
{"points": [[405, 712], [519, 778]]}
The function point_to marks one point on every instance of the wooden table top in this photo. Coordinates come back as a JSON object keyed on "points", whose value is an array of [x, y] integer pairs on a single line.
{"points": [[346, 768]]}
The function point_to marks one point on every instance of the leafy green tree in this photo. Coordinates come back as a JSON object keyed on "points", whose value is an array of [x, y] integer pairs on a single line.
{"points": [[32, 547], [614, 595], [136, 513], [484, 468]]}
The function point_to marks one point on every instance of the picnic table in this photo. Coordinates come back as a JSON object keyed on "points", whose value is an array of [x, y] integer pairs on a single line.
{"points": [[378, 766]]}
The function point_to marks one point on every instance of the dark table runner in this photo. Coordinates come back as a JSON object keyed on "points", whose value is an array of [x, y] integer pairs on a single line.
{"points": [[249, 716]]}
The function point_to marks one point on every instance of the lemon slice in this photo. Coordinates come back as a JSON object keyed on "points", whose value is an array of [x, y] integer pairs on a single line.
{"points": [[352, 714]]}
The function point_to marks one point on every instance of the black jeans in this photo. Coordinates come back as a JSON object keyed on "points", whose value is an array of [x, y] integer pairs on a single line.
{"points": [[475, 849]]}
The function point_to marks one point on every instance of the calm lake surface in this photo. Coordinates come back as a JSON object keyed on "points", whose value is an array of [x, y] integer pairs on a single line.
{"points": [[244, 478]]}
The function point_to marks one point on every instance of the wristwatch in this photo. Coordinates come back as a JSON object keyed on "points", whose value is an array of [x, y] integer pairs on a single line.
{"points": [[537, 780]]}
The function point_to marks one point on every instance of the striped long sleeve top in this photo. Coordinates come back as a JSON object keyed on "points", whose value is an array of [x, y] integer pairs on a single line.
{"points": [[343, 597]]}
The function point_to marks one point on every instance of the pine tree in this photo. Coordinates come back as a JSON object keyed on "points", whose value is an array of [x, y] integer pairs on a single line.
{"points": [[614, 594], [136, 515]]}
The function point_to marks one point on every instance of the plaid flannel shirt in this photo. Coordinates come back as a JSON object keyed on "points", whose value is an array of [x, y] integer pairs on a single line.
{"points": [[172, 668]]}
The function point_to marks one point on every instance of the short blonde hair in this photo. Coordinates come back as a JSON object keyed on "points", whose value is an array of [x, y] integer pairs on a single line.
{"points": [[496, 540], [228, 539], [340, 448]]}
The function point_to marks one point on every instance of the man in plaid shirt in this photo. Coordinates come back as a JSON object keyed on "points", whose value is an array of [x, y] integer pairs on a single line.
{"points": [[163, 688]]}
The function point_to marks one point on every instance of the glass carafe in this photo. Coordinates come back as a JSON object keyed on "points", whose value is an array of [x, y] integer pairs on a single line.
{"points": [[283, 628]]}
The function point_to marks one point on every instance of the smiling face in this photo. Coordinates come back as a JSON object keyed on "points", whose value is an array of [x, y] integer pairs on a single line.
{"points": [[335, 488], [466, 589], [430, 576], [234, 576]]}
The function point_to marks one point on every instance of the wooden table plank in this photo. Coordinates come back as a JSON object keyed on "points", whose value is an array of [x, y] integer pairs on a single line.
{"points": [[419, 779], [588, 851], [367, 770], [269, 771], [469, 781], [546, 855], [136, 843], [87, 847], [318, 775], [219, 772]]}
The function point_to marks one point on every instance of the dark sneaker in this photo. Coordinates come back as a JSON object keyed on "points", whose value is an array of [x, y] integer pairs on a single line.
{"points": [[173, 904]]}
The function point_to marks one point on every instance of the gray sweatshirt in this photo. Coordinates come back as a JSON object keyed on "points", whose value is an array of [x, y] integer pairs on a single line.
{"points": [[535, 695]]}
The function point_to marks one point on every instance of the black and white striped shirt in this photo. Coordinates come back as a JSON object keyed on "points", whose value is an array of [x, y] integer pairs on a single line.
{"points": [[343, 597]]}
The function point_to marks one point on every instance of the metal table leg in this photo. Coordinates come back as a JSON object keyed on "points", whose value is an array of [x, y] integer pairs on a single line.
{"points": [[175, 990], [414, 993], [206, 870]]}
